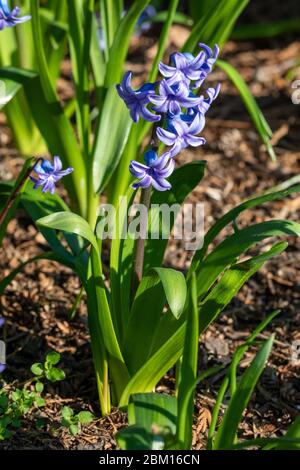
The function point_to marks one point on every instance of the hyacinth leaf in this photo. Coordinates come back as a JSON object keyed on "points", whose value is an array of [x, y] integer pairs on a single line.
{"points": [[103, 320], [188, 370], [137, 438], [169, 351], [227, 431], [183, 180], [149, 408], [265, 30], [55, 128], [19, 186], [38, 205], [119, 48], [69, 222], [121, 265], [145, 411], [231, 376], [271, 195], [256, 114], [111, 14], [8, 89], [232, 247], [293, 432], [111, 137], [163, 38], [215, 24], [159, 286]]}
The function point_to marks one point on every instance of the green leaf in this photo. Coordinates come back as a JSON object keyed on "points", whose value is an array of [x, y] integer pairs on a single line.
{"points": [[148, 409], [272, 194], [69, 222], [188, 370], [39, 386], [230, 283], [256, 114], [67, 412], [39, 401], [37, 369], [13, 199], [119, 48], [169, 345], [293, 432], [183, 181], [85, 417], [215, 23], [111, 137], [227, 252], [55, 375], [53, 358], [157, 287], [55, 128], [138, 438], [74, 429], [227, 431]]}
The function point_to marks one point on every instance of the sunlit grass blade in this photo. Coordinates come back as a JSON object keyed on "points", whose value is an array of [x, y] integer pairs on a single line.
{"points": [[227, 431], [13, 199], [111, 13], [228, 251], [189, 366], [183, 181], [256, 114], [169, 346], [111, 138], [215, 24], [266, 30], [158, 286], [119, 48], [271, 195]]}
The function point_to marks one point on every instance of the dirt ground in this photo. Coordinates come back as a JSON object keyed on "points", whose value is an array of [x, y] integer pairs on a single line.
{"points": [[36, 305]]}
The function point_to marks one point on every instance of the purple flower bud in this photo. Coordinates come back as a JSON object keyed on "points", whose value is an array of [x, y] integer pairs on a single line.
{"points": [[137, 100], [48, 174], [2, 368], [10, 18], [2, 322], [154, 173]]}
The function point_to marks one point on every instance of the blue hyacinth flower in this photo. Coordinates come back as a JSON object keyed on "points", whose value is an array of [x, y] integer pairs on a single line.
{"points": [[9, 18], [48, 174]]}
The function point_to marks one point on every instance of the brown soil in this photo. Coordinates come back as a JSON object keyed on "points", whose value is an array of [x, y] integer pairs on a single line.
{"points": [[36, 304]]}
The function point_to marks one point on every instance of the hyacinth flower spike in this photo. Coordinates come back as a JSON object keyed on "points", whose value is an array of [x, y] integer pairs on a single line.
{"points": [[10, 18], [137, 100], [185, 68], [48, 175], [207, 66], [172, 98], [154, 172], [181, 133]]}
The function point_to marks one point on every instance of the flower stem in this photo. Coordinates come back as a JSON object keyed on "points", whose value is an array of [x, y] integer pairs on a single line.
{"points": [[16, 191], [140, 242]]}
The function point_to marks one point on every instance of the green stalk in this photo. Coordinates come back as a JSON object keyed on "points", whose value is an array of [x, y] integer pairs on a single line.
{"points": [[71, 152], [215, 414]]}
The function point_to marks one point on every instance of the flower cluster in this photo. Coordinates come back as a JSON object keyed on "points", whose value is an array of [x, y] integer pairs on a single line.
{"points": [[10, 18], [47, 174], [175, 103]]}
